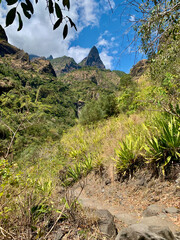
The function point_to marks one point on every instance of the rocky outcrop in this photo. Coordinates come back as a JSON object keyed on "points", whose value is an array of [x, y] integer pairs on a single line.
{"points": [[138, 69], [93, 59], [23, 56], [6, 85], [5, 47], [43, 66], [70, 67], [64, 65]]}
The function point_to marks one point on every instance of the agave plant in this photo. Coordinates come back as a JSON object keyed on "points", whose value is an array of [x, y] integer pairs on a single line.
{"points": [[164, 149], [128, 156]]}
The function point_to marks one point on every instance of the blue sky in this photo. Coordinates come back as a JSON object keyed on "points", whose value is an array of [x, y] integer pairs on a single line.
{"points": [[97, 25]]}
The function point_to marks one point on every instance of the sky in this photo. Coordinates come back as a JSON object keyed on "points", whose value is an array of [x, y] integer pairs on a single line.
{"points": [[101, 23]]}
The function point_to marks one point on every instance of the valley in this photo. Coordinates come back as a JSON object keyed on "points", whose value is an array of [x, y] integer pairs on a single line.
{"points": [[86, 152]]}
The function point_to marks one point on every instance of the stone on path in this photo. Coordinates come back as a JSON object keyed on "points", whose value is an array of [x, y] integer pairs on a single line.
{"points": [[153, 210], [106, 222], [161, 221], [144, 232]]}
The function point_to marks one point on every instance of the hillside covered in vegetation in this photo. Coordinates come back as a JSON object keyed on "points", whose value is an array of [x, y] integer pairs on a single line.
{"points": [[56, 130]]}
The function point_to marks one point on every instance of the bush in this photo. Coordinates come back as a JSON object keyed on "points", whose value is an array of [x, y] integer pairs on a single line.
{"points": [[96, 110], [163, 150], [129, 157]]}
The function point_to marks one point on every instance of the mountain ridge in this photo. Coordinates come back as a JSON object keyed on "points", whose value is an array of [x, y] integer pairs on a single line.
{"points": [[67, 64]]}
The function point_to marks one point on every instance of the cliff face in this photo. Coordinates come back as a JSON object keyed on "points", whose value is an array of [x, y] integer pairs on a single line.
{"points": [[20, 60], [42, 66], [5, 47], [93, 59]]}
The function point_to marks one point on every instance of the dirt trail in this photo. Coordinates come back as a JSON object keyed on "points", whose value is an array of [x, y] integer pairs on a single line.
{"points": [[126, 201]]}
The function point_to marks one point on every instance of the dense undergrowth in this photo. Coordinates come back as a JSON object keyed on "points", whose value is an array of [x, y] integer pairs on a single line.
{"points": [[136, 127]]}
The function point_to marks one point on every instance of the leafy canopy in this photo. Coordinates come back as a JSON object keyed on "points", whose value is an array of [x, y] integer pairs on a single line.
{"points": [[157, 20]]}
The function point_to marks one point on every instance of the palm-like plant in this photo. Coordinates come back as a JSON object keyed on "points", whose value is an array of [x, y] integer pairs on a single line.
{"points": [[128, 156], [164, 150]]}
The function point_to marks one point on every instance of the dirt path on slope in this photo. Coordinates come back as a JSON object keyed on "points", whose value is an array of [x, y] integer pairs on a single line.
{"points": [[127, 201]]}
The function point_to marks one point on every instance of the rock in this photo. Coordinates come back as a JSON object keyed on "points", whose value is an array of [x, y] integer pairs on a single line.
{"points": [[153, 210], [93, 59], [106, 222], [24, 57], [164, 232], [43, 66], [59, 235], [141, 182], [139, 68], [108, 181], [171, 210], [6, 85], [127, 218], [6, 48], [177, 235], [144, 232], [161, 221]]}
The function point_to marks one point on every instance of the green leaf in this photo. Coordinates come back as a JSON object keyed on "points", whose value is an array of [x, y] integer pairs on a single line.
{"points": [[30, 6], [66, 3], [11, 2], [65, 31], [50, 6], [25, 10], [72, 23], [56, 25], [58, 11], [20, 22], [10, 16]]}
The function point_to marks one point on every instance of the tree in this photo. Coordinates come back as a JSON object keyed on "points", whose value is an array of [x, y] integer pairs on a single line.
{"points": [[53, 7], [157, 19]]}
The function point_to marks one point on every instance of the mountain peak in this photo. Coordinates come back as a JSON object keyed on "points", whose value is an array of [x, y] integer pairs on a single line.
{"points": [[93, 59]]}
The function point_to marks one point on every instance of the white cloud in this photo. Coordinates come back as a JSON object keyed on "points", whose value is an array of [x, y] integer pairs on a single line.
{"points": [[102, 42], [132, 18], [78, 53], [115, 52], [107, 5], [37, 36], [107, 60], [88, 12]]}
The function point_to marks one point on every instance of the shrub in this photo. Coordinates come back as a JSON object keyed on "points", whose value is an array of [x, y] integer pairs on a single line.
{"points": [[129, 157], [163, 150], [76, 172], [97, 110], [25, 202]]}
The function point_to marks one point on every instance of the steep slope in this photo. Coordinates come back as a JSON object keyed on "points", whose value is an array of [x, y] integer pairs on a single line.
{"points": [[64, 64], [90, 82], [93, 59], [5, 47]]}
